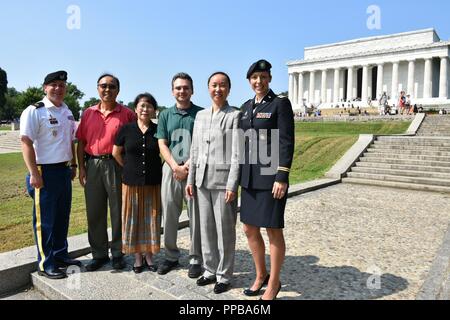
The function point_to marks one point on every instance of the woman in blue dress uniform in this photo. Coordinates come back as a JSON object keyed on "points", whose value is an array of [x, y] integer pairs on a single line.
{"points": [[268, 123]]}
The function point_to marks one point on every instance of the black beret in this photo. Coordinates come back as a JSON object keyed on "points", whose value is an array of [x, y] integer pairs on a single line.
{"points": [[55, 76], [259, 66]]}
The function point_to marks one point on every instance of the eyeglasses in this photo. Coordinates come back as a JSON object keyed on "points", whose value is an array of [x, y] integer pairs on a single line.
{"points": [[106, 85]]}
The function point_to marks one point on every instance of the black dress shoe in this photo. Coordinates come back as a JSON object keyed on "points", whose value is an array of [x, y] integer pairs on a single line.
{"points": [[275, 297], [138, 269], [96, 264], [203, 281], [221, 287], [53, 274], [166, 266], [252, 293], [195, 271], [118, 263], [64, 263], [152, 268]]}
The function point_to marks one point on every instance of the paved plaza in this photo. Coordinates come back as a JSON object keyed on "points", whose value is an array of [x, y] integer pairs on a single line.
{"points": [[344, 242], [339, 237]]}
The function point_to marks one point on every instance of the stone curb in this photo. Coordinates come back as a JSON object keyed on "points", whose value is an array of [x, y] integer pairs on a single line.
{"points": [[415, 125], [16, 266], [340, 169], [437, 283]]}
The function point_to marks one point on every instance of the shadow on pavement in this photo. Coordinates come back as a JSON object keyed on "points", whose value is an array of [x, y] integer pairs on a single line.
{"points": [[304, 279]]}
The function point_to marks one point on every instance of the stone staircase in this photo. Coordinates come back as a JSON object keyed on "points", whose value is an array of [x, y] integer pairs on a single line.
{"points": [[416, 163], [435, 126]]}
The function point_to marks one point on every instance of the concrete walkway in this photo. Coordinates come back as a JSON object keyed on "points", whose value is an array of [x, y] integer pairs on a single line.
{"points": [[343, 242]]}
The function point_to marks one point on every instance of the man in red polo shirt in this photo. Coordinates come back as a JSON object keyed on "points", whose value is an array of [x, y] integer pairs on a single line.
{"points": [[99, 173]]}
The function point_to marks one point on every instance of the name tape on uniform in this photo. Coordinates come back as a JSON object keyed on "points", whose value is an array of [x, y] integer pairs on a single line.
{"points": [[263, 115]]}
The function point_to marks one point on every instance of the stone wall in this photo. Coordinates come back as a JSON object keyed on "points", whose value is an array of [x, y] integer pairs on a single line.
{"points": [[347, 118]]}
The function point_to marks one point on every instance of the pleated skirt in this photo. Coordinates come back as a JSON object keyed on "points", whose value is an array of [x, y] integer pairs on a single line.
{"points": [[141, 219]]}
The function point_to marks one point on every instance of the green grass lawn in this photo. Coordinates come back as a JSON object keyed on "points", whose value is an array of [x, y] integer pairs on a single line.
{"points": [[16, 206], [318, 147]]}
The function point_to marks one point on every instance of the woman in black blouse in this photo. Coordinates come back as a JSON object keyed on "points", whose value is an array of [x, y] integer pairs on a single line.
{"points": [[137, 151]]}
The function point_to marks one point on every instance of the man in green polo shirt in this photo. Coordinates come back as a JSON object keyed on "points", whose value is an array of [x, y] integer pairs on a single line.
{"points": [[175, 126]]}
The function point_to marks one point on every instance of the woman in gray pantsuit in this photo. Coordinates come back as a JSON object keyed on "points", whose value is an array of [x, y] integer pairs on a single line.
{"points": [[214, 171]]}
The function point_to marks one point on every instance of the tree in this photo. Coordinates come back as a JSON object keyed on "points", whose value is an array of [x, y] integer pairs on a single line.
{"points": [[11, 109], [3, 90], [73, 95], [16, 102], [28, 97]]}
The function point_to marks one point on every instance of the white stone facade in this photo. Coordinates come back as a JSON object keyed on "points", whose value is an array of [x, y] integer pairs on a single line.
{"points": [[359, 71]]}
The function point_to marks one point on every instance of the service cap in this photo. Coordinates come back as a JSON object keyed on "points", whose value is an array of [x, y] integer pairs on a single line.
{"points": [[259, 66], [55, 76]]}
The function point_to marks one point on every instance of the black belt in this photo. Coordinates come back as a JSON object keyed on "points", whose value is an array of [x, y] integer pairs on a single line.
{"points": [[101, 157], [55, 165]]}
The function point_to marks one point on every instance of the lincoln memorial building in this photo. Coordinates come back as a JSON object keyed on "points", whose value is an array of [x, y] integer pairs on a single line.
{"points": [[359, 71]]}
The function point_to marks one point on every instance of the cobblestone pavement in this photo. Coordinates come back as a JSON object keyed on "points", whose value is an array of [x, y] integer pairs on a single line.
{"points": [[340, 238], [345, 242]]}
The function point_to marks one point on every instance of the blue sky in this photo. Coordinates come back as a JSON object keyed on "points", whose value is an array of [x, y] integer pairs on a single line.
{"points": [[145, 43]]}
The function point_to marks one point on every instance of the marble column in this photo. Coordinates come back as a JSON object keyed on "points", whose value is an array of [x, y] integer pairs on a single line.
{"points": [[380, 75], [365, 82], [411, 77], [291, 88], [443, 82], [300, 88], [350, 84], [428, 78], [312, 87], [295, 93], [394, 90], [336, 86], [323, 89]]}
